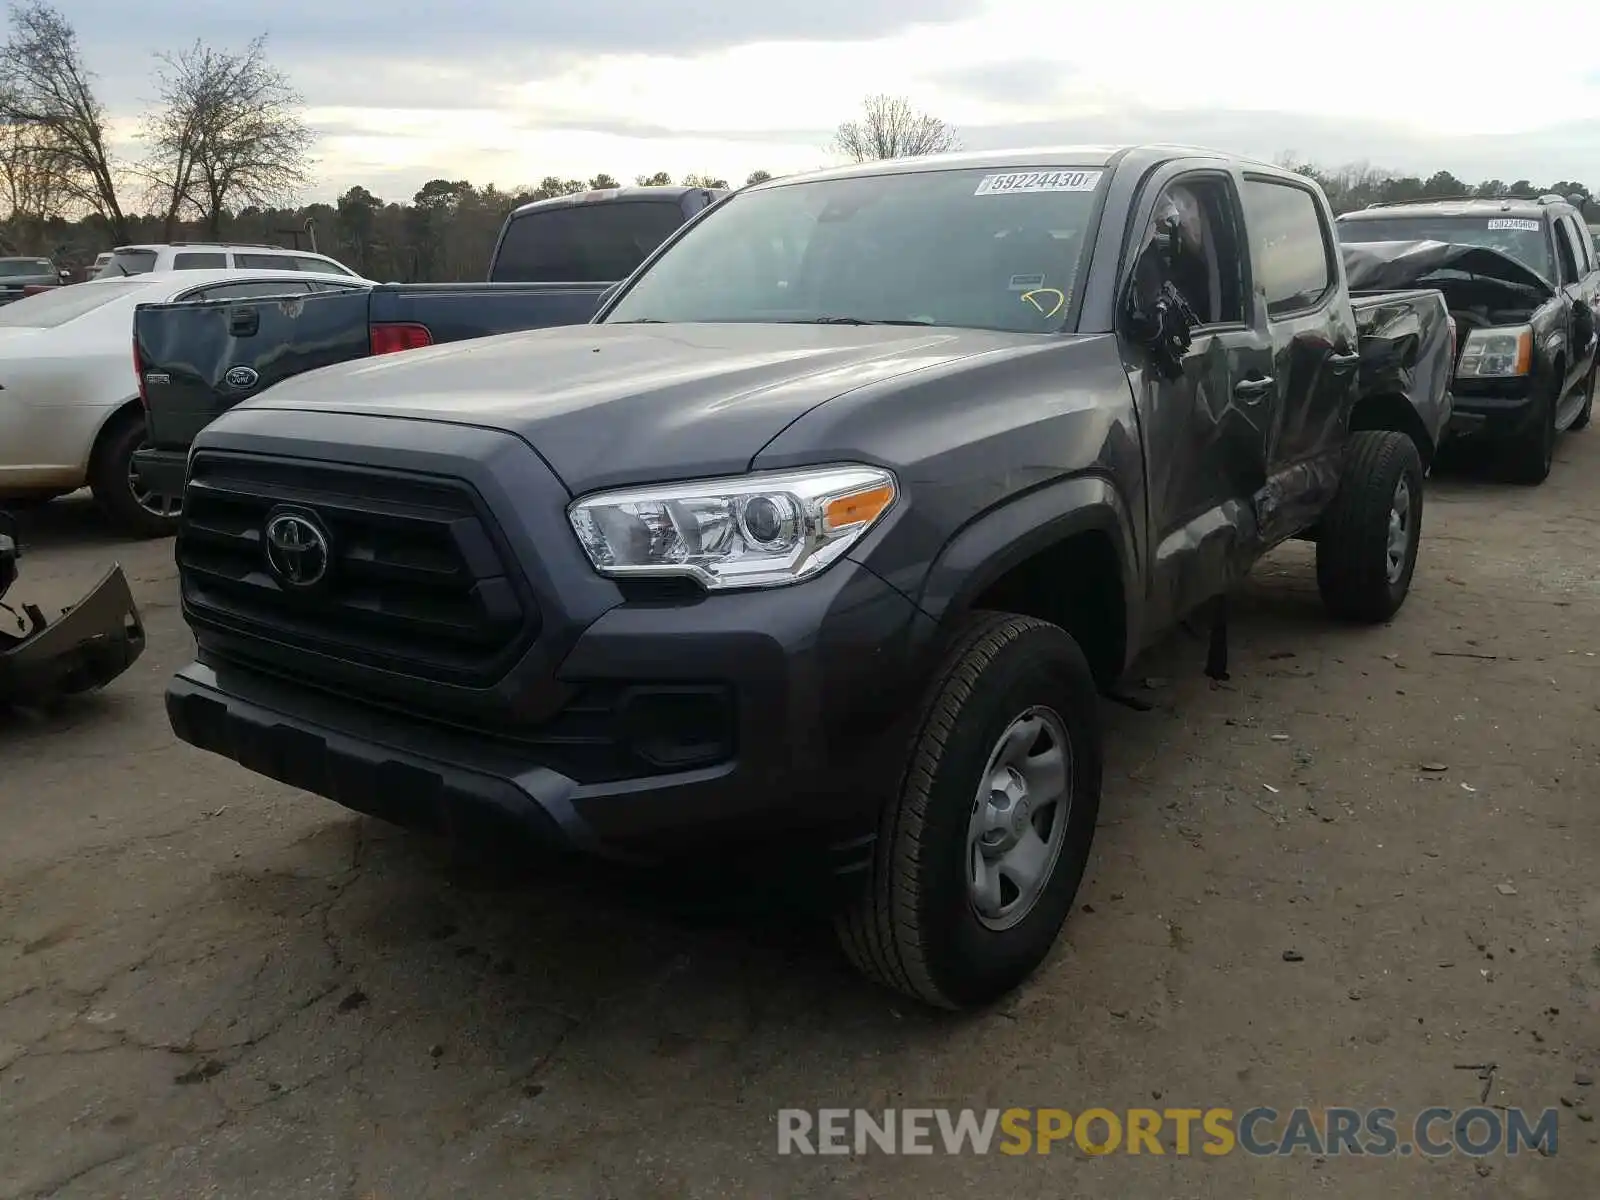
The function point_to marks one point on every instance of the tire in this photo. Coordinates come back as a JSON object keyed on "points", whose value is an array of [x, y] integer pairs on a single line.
{"points": [[916, 927], [1529, 458], [1362, 572], [1581, 421], [111, 481]]}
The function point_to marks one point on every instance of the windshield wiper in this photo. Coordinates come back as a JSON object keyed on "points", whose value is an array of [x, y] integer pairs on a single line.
{"points": [[639, 321], [853, 321]]}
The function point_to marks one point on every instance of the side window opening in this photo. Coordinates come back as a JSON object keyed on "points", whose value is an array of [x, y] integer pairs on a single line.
{"points": [[1579, 244], [1564, 255], [1195, 242]]}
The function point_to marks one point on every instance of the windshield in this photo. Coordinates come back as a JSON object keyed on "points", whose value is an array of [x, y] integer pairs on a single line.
{"points": [[128, 262], [1521, 238], [60, 305], [974, 249], [583, 243], [25, 266]]}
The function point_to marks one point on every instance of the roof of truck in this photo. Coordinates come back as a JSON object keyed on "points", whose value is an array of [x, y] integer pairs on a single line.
{"points": [[1085, 156], [670, 192]]}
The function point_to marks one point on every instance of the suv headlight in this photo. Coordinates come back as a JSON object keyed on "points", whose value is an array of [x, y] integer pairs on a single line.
{"points": [[1497, 353], [760, 530]]}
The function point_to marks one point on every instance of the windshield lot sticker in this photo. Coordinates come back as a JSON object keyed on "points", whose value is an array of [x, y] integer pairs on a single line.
{"points": [[1514, 223], [1045, 307], [1038, 181], [1021, 283]]}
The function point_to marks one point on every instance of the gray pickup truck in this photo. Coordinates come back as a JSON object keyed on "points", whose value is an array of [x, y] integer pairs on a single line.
{"points": [[817, 548]]}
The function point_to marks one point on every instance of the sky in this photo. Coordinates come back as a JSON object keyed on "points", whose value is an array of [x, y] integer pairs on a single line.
{"points": [[510, 91]]}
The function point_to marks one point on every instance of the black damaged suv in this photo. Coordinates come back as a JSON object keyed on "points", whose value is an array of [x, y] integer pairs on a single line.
{"points": [[1526, 364], [816, 547]]}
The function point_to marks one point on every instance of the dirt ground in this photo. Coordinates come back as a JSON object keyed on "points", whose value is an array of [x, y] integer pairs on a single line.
{"points": [[214, 986]]}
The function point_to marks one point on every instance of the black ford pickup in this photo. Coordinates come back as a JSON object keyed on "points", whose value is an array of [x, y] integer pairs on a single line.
{"points": [[1523, 285], [819, 545], [552, 262]]}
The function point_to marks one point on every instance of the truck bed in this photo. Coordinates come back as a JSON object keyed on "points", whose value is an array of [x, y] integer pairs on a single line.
{"points": [[1408, 351]]}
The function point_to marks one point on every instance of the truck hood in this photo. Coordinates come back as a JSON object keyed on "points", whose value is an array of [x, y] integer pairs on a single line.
{"points": [[608, 405]]}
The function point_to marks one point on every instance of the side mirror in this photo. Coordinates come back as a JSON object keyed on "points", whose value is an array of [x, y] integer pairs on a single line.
{"points": [[1157, 318], [607, 296], [64, 275]]}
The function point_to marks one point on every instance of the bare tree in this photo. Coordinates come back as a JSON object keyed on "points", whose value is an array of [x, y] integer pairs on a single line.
{"points": [[228, 131], [31, 189], [47, 93], [891, 128]]}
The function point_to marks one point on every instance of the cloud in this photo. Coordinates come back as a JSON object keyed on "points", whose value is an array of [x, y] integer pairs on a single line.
{"points": [[487, 35]]}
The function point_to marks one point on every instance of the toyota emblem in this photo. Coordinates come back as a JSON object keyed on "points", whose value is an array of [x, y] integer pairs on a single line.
{"points": [[297, 550], [241, 378]]}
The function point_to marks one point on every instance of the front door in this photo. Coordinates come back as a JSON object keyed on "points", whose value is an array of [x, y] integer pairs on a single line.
{"points": [[1205, 422], [1579, 296]]}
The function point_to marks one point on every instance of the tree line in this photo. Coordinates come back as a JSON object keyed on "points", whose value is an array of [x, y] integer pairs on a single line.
{"points": [[1358, 185]]}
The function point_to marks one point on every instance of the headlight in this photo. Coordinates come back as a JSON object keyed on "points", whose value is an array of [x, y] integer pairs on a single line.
{"points": [[1496, 353], [758, 530]]}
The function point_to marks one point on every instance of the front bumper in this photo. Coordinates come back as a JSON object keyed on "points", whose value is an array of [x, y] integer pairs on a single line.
{"points": [[1497, 410], [87, 647], [818, 678]]}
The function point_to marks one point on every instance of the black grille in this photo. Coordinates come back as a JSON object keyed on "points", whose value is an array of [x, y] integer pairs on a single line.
{"points": [[416, 584]]}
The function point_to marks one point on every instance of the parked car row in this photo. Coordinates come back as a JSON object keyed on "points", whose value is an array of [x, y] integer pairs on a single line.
{"points": [[70, 411]]}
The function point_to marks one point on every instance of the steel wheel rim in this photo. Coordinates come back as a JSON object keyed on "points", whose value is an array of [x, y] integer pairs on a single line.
{"points": [[1018, 822], [1399, 543], [154, 503]]}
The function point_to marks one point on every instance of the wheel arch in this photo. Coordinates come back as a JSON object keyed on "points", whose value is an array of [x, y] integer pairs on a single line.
{"points": [[132, 407], [1064, 553], [1394, 413]]}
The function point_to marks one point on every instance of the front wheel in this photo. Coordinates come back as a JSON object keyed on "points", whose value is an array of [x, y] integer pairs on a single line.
{"points": [[1581, 421], [981, 850], [1529, 458], [1370, 534], [132, 507]]}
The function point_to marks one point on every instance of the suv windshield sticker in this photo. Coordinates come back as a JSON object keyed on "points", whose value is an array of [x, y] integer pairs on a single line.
{"points": [[1021, 283], [1038, 181], [1514, 223]]}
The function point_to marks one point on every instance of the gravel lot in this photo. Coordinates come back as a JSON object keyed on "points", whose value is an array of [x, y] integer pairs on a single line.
{"points": [[213, 986]]}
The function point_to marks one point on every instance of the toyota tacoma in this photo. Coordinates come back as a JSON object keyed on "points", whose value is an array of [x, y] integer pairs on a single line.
{"points": [[819, 545]]}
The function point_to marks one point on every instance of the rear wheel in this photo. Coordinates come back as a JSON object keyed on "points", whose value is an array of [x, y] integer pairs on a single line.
{"points": [[133, 508], [1367, 550], [981, 850]]}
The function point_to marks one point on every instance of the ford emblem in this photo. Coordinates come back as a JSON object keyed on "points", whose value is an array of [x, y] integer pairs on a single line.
{"points": [[242, 378]]}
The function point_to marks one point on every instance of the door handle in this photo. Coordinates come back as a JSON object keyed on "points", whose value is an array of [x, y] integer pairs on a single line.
{"points": [[1340, 363], [244, 322], [1254, 389]]}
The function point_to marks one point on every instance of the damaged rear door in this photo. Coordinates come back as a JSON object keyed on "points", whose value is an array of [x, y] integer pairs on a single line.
{"points": [[1316, 350], [224, 343]]}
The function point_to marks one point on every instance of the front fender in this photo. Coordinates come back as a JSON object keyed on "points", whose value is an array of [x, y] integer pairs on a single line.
{"points": [[984, 549]]}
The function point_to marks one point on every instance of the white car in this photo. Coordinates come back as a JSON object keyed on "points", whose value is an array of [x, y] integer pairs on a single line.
{"points": [[213, 256], [70, 414]]}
